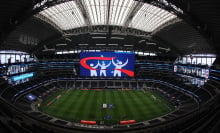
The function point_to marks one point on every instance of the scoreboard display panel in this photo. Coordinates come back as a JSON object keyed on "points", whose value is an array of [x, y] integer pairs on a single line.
{"points": [[107, 64]]}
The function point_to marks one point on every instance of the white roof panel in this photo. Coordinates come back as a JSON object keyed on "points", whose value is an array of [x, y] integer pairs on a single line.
{"points": [[150, 17], [68, 15], [119, 11], [97, 10]]}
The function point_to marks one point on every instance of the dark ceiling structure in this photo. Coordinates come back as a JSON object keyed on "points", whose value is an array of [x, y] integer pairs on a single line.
{"points": [[196, 30], [176, 43]]}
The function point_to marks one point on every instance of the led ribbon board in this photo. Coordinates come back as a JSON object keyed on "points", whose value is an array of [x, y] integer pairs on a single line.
{"points": [[111, 64], [23, 76]]}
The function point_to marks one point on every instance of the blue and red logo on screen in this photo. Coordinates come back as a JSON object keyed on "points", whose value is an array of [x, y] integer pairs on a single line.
{"points": [[113, 64]]}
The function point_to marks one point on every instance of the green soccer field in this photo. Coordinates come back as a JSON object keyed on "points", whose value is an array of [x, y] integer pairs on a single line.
{"points": [[76, 105]]}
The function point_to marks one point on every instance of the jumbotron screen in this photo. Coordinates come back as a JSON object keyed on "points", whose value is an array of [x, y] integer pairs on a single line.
{"points": [[107, 64]]}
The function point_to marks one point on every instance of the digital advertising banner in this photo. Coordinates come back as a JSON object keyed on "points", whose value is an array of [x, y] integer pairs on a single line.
{"points": [[107, 64]]}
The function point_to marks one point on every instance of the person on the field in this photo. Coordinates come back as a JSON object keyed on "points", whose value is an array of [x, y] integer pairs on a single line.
{"points": [[93, 72], [118, 65], [103, 68]]}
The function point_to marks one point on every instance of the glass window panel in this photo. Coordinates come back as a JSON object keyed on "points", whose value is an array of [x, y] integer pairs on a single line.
{"points": [[23, 58], [199, 59], [12, 57], [149, 17], [66, 15], [8, 58], [18, 57], [184, 60], [203, 61], [209, 61], [119, 11], [97, 10], [28, 57], [3, 59]]}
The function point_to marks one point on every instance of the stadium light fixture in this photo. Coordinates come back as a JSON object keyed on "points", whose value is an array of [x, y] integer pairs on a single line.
{"points": [[97, 33], [83, 44], [141, 41], [202, 55], [113, 44], [65, 52], [148, 54], [128, 45], [145, 53], [61, 44], [12, 52], [166, 49], [58, 52], [98, 37], [120, 38], [100, 44], [67, 39], [151, 43]]}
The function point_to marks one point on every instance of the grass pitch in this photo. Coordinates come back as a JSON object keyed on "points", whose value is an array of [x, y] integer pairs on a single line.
{"points": [[76, 105]]}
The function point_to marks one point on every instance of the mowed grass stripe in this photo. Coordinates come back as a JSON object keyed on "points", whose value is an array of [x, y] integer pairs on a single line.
{"points": [[89, 108], [146, 103], [63, 102], [76, 105], [139, 105], [69, 105], [78, 108], [164, 102], [154, 108], [116, 112], [149, 104], [119, 106], [46, 101], [53, 107], [103, 99], [98, 105], [131, 104], [127, 105], [156, 105], [65, 105], [108, 95]]}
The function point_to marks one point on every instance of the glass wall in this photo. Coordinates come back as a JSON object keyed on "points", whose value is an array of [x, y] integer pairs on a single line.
{"points": [[11, 56], [197, 59], [16, 64], [194, 68]]}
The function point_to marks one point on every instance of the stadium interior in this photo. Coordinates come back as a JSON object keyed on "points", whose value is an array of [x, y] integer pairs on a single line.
{"points": [[45, 45]]}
